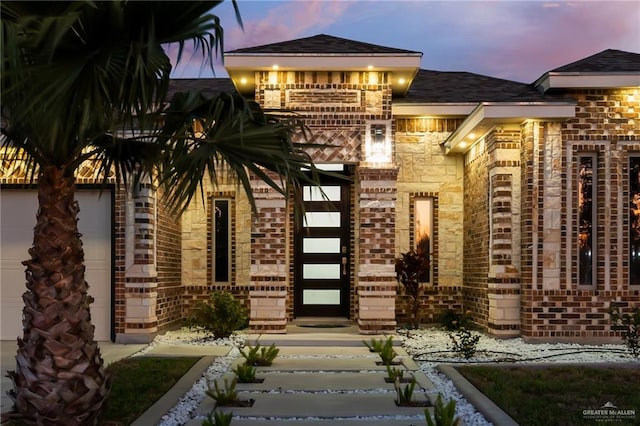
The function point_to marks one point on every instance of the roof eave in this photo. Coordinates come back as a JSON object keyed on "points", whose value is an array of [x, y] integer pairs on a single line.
{"points": [[587, 80], [431, 109], [487, 115], [242, 67]]}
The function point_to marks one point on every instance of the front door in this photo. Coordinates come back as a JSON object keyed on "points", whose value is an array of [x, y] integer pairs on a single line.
{"points": [[322, 254]]}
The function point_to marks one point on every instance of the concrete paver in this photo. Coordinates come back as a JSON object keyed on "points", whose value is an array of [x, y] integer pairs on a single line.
{"points": [[310, 385]]}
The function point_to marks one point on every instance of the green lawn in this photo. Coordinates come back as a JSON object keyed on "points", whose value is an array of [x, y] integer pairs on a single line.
{"points": [[557, 395], [138, 383]]}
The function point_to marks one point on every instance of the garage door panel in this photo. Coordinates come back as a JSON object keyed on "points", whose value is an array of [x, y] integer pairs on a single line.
{"points": [[17, 220]]}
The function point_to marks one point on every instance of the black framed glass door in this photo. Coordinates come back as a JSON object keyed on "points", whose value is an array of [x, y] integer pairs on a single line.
{"points": [[321, 250]]}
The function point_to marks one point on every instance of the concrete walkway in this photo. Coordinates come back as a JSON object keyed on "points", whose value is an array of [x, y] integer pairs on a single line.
{"points": [[322, 378]]}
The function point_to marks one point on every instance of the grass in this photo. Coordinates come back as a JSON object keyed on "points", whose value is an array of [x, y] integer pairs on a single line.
{"points": [[542, 395], [138, 382]]}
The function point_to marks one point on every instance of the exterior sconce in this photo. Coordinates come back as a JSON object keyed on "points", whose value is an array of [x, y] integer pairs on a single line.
{"points": [[378, 143]]}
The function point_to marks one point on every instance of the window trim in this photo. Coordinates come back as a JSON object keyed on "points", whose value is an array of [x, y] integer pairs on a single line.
{"points": [[211, 238]]}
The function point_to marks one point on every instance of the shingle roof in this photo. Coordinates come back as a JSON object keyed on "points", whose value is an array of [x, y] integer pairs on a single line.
{"points": [[462, 87], [609, 60], [208, 86], [321, 44]]}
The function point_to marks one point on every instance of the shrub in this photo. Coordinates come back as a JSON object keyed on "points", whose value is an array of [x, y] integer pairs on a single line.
{"points": [[410, 266], [629, 324], [452, 320], [226, 396], [222, 315], [246, 373], [405, 395], [387, 353], [218, 419], [395, 374], [464, 342], [260, 356], [443, 415], [374, 345]]}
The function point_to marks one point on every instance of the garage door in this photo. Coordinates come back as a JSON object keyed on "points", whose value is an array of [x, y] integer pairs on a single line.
{"points": [[17, 219]]}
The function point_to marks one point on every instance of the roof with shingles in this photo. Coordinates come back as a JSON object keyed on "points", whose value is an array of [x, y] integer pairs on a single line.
{"points": [[609, 60], [207, 86], [465, 87], [322, 44]]}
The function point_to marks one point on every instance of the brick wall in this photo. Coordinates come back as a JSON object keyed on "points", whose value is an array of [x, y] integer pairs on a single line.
{"points": [[476, 234], [555, 307], [169, 268]]}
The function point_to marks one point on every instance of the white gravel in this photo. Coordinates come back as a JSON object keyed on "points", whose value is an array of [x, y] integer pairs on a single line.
{"points": [[429, 347]]}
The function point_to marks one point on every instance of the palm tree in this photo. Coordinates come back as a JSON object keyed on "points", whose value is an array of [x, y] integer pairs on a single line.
{"points": [[88, 81]]}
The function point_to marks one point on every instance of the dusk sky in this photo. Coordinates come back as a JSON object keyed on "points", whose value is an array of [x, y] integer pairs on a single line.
{"points": [[516, 40]]}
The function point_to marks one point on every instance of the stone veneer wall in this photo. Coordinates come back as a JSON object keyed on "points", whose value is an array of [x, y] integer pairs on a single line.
{"points": [[554, 306], [197, 255], [424, 171]]}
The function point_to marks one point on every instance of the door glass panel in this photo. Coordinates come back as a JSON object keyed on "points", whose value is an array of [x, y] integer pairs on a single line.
{"points": [[322, 219], [314, 193], [321, 245], [321, 271], [321, 297]]}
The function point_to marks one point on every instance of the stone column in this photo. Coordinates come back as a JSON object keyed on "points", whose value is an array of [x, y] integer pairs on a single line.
{"points": [[377, 284], [141, 277]]}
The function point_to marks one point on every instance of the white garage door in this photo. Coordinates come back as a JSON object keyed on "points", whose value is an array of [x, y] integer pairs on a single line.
{"points": [[17, 219]]}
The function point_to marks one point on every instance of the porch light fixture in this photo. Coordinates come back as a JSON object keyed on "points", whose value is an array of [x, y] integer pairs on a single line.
{"points": [[243, 80], [378, 143], [401, 80], [275, 67]]}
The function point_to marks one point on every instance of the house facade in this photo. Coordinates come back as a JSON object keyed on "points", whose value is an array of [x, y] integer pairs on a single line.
{"points": [[526, 197]]}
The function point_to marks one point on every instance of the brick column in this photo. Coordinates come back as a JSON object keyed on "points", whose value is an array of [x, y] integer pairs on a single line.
{"points": [[377, 284], [141, 276], [269, 263], [503, 282]]}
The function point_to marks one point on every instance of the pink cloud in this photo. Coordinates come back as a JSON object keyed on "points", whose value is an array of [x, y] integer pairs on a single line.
{"points": [[302, 18]]}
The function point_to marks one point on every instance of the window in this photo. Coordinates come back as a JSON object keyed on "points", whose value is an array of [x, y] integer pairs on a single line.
{"points": [[423, 231], [586, 219], [634, 221], [221, 240]]}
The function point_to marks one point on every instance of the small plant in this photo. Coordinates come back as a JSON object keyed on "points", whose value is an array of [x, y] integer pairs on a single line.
{"points": [[260, 356], [374, 345], [395, 374], [464, 342], [218, 419], [405, 395], [443, 415], [452, 320], [410, 267], [387, 353], [629, 324], [226, 396], [246, 373], [222, 315]]}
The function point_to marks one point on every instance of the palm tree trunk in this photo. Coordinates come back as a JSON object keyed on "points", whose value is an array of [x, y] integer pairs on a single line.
{"points": [[60, 377]]}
